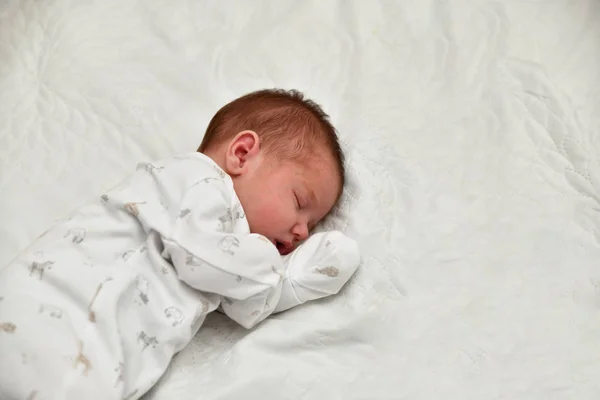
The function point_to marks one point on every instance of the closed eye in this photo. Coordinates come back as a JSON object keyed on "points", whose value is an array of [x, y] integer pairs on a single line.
{"points": [[297, 201]]}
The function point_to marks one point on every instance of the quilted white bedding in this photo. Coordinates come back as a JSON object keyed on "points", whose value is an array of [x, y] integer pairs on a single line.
{"points": [[472, 131]]}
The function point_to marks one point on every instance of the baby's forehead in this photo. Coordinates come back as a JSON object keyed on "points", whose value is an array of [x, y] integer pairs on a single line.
{"points": [[312, 156], [314, 171], [311, 161]]}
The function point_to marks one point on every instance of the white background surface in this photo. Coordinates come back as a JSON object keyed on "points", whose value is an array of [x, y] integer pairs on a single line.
{"points": [[472, 132]]}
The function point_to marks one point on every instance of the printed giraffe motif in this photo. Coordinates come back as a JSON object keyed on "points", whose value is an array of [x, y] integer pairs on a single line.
{"points": [[82, 359], [38, 268], [77, 235], [228, 244], [91, 314], [183, 213], [146, 340], [238, 279], [7, 327], [331, 272], [52, 311], [104, 198], [133, 208], [174, 314]]}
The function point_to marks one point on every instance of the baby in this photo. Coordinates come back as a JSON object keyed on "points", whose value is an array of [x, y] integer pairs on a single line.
{"points": [[99, 304]]}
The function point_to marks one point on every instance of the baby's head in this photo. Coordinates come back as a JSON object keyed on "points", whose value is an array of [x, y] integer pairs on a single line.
{"points": [[285, 161]]}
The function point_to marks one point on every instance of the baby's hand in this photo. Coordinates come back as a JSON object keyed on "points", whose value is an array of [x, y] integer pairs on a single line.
{"points": [[320, 267]]}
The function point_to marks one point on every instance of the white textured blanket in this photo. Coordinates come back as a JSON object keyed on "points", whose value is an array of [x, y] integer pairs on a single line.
{"points": [[473, 136]]}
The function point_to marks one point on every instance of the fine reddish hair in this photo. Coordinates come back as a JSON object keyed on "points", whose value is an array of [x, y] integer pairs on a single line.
{"points": [[288, 125]]}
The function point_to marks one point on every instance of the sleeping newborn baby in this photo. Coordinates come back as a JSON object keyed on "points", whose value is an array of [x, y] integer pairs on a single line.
{"points": [[98, 305]]}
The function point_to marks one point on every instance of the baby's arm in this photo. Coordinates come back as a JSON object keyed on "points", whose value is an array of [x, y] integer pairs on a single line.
{"points": [[318, 268], [190, 203], [244, 268]]}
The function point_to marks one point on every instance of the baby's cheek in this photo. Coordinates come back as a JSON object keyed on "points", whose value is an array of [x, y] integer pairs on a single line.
{"points": [[252, 224], [258, 222]]}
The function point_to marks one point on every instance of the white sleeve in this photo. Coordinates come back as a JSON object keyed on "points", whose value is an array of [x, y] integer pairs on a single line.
{"points": [[320, 267], [242, 267], [206, 236]]}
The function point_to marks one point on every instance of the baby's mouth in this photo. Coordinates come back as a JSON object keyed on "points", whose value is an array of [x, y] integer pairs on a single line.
{"points": [[284, 248]]}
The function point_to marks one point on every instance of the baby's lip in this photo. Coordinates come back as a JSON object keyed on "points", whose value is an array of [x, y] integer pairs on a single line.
{"points": [[285, 247]]}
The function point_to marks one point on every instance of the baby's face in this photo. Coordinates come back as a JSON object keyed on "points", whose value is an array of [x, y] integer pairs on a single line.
{"points": [[284, 200]]}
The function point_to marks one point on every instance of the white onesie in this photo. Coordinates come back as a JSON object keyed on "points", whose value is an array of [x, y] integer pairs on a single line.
{"points": [[99, 304]]}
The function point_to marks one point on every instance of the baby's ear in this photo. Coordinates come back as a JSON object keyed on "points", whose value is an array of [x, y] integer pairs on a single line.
{"points": [[241, 149]]}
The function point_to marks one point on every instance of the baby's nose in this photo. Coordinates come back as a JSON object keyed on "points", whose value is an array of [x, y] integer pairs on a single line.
{"points": [[300, 232]]}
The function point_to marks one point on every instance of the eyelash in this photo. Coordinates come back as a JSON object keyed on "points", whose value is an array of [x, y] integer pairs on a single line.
{"points": [[297, 202]]}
